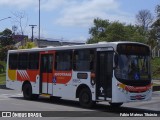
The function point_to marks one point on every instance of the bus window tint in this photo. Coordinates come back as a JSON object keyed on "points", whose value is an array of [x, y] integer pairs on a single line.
{"points": [[22, 61], [33, 61], [63, 61], [83, 60], [13, 61]]}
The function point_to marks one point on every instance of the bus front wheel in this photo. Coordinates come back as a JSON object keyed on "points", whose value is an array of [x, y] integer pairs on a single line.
{"points": [[85, 98]]}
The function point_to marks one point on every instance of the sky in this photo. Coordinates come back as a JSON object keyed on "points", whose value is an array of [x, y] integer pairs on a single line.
{"points": [[69, 20]]}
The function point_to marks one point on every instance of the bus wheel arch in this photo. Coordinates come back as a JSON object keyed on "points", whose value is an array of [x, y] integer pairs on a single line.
{"points": [[85, 96], [80, 87]]}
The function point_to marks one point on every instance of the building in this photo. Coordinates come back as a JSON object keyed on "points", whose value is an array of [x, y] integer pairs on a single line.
{"points": [[20, 40], [54, 42]]}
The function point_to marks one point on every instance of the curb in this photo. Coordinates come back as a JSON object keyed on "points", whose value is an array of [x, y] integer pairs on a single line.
{"points": [[3, 87]]}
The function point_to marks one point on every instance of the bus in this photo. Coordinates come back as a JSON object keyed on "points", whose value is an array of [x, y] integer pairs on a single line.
{"points": [[115, 72]]}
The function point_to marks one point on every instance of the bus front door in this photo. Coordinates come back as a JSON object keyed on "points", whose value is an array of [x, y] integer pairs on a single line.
{"points": [[46, 73], [104, 75]]}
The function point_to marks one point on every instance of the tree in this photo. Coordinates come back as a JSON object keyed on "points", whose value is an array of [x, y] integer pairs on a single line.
{"points": [[21, 19], [152, 39], [4, 50], [154, 34], [6, 38], [6, 43], [144, 18], [103, 30], [158, 11], [116, 32], [98, 31]]}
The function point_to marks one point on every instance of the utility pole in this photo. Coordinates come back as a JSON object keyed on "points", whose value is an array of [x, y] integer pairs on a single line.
{"points": [[32, 26], [39, 20]]}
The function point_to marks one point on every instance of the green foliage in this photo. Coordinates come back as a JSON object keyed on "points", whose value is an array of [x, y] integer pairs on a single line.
{"points": [[155, 65], [3, 63], [158, 11], [115, 31], [103, 30], [6, 38], [7, 32], [6, 43], [28, 45], [4, 50], [98, 32], [2, 73], [152, 38], [2, 79], [154, 33]]}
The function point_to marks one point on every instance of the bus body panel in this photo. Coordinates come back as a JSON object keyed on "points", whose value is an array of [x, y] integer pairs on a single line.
{"points": [[15, 85], [64, 84], [68, 90], [119, 94]]}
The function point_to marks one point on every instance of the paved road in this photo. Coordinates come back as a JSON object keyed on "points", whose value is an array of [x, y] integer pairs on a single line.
{"points": [[11, 100]]}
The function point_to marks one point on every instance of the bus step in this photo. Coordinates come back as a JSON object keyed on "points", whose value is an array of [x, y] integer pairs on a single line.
{"points": [[45, 95]]}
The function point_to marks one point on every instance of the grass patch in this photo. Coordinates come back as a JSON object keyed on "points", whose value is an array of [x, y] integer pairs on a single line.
{"points": [[3, 63], [2, 78], [154, 84], [3, 74], [155, 66]]}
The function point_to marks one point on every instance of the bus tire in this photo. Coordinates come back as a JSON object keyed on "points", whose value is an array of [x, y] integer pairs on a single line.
{"points": [[27, 91], [115, 104], [34, 97], [85, 98]]}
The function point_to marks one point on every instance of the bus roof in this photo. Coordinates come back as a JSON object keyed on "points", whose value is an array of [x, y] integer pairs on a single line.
{"points": [[83, 46]]}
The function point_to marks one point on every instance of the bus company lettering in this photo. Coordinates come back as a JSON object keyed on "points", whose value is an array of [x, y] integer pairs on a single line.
{"points": [[63, 74]]}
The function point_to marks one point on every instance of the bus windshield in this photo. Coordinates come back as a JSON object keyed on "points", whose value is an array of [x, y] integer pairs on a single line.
{"points": [[132, 67]]}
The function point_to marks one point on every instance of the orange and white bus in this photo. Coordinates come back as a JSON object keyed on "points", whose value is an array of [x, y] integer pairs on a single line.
{"points": [[115, 72]]}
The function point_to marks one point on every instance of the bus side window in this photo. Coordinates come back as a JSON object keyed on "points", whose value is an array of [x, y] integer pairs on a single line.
{"points": [[63, 61], [33, 62], [23, 61], [83, 60], [13, 61]]}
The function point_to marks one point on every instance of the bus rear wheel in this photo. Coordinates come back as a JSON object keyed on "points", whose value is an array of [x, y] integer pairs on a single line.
{"points": [[27, 93], [85, 98], [115, 104]]}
